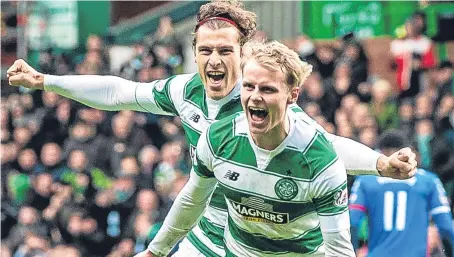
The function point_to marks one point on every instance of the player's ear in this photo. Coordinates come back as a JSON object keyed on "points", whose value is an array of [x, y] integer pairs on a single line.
{"points": [[293, 95], [193, 48]]}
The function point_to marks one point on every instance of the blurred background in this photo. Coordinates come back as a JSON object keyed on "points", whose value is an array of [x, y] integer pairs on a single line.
{"points": [[82, 182]]}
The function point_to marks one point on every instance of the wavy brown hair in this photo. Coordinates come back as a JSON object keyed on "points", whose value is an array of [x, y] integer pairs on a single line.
{"points": [[230, 9]]}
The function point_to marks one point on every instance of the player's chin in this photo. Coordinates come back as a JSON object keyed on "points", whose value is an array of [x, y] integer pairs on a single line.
{"points": [[258, 128]]}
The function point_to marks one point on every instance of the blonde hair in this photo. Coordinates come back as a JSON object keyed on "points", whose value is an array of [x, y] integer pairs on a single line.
{"points": [[246, 21], [275, 56]]}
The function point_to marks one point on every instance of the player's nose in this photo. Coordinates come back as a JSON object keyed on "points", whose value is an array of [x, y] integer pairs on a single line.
{"points": [[215, 60]]}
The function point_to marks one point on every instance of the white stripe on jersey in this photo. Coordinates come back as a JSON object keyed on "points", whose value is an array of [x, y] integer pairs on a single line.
{"points": [[335, 223], [254, 182], [332, 177], [216, 216]]}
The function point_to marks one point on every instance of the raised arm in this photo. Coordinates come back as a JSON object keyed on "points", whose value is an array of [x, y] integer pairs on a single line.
{"points": [[189, 205], [101, 92], [359, 159]]}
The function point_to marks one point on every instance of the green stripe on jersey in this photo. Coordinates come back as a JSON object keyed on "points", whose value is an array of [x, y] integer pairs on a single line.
{"points": [[224, 143], [201, 169], [162, 96], [333, 202], [200, 246], [295, 108], [309, 242], [192, 135], [290, 163], [320, 155], [232, 107], [213, 232], [217, 198], [194, 93]]}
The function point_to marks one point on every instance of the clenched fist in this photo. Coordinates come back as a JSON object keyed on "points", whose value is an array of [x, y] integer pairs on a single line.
{"points": [[22, 74], [400, 165]]}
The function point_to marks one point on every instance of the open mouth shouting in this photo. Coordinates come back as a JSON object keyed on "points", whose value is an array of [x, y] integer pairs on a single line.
{"points": [[257, 114], [215, 77]]}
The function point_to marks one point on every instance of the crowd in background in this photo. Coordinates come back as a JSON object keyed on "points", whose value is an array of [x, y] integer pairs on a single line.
{"points": [[83, 182]]}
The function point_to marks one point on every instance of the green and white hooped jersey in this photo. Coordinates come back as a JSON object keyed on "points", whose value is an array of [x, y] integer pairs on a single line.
{"points": [[184, 96], [278, 201]]}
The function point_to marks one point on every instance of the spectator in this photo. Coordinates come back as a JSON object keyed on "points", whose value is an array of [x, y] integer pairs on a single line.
{"points": [[35, 245], [52, 161], [425, 109], [95, 60], [149, 158], [368, 136], [63, 250], [355, 55], [123, 249], [147, 203], [406, 118], [382, 106], [314, 91], [424, 135], [84, 136], [27, 161], [341, 84], [144, 231], [41, 191], [22, 136], [83, 180], [361, 117], [324, 61], [28, 221], [126, 138], [412, 52], [444, 81]]}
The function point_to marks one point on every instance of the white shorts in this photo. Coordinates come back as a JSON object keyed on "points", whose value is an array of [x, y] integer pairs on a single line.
{"points": [[186, 249]]}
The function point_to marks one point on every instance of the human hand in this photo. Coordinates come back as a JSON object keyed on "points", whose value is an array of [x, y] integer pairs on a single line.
{"points": [[22, 74], [400, 165]]}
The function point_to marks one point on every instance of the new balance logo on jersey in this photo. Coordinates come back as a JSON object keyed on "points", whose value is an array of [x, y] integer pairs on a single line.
{"points": [[195, 117], [232, 175]]}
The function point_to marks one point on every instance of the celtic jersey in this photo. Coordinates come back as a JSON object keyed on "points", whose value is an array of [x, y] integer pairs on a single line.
{"points": [[279, 202], [184, 95]]}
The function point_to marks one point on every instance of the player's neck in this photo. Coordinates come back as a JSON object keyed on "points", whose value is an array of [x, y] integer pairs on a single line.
{"points": [[221, 95], [274, 137]]}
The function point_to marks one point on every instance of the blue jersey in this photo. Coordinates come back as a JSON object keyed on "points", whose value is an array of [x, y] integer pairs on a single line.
{"points": [[398, 212]]}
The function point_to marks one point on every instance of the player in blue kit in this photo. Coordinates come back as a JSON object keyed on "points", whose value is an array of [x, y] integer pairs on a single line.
{"points": [[399, 210]]}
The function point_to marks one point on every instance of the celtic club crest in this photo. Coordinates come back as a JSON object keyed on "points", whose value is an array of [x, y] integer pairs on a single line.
{"points": [[286, 189]]}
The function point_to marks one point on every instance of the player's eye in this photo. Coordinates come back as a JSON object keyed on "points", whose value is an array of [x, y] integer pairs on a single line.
{"points": [[205, 51], [225, 51], [248, 86], [268, 90]]}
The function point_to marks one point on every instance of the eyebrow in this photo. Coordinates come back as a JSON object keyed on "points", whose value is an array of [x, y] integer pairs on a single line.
{"points": [[202, 47]]}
